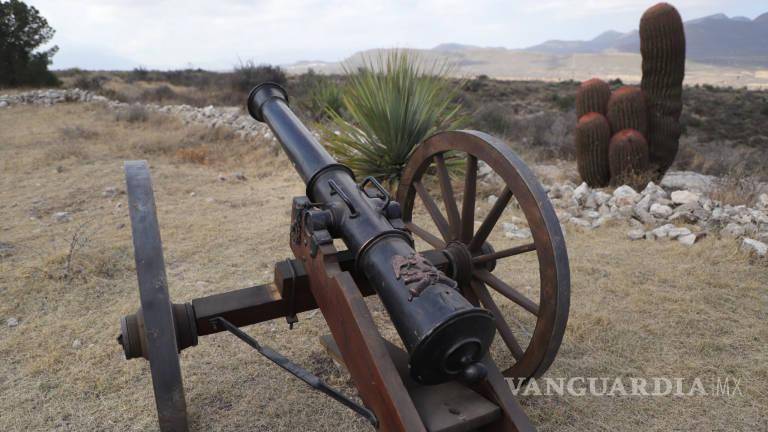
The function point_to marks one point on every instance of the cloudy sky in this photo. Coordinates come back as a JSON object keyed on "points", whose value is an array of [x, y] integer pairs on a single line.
{"points": [[122, 34]]}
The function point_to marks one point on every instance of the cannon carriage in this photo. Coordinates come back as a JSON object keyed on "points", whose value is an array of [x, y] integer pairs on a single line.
{"points": [[440, 300]]}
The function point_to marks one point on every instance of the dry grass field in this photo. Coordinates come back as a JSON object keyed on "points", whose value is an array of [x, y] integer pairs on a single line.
{"points": [[638, 309]]}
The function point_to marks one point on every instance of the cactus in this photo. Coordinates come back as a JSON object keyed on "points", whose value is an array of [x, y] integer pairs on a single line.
{"points": [[644, 122], [627, 156], [627, 110], [592, 96], [592, 136], [662, 46]]}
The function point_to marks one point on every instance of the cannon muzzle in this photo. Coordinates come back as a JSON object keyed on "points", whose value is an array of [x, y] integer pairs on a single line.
{"points": [[445, 335]]}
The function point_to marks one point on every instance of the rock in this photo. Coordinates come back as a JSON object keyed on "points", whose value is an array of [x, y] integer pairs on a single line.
{"points": [[644, 204], [590, 202], [677, 232], [222, 177], [239, 176], [601, 221], [685, 197], [111, 192], [661, 211], [601, 197], [752, 246], [12, 322], [492, 199], [733, 230], [643, 216], [3, 104], [662, 231], [649, 235], [688, 239], [523, 233], [581, 192], [62, 217], [762, 202], [625, 196], [636, 234], [76, 344], [654, 191], [580, 222], [688, 180], [590, 214]]}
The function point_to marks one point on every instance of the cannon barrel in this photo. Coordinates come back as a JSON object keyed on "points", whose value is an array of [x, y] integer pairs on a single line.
{"points": [[445, 335]]}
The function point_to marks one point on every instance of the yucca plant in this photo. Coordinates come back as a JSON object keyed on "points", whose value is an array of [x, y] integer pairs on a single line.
{"points": [[325, 99], [392, 103]]}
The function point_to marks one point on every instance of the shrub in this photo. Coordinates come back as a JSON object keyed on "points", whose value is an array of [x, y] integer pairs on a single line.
{"points": [[493, 118], [132, 114], [158, 94], [89, 82], [248, 75], [325, 100], [393, 103]]}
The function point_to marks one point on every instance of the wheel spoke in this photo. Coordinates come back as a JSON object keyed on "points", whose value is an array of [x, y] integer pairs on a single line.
{"points": [[425, 235], [506, 332], [448, 198], [490, 220], [468, 203], [507, 291], [517, 250], [433, 210]]}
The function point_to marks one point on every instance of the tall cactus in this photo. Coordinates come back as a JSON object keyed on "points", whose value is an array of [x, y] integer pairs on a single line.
{"points": [[643, 122], [592, 136], [627, 156], [592, 96], [662, 46]]}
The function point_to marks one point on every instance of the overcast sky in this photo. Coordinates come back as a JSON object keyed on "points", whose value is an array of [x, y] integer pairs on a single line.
{"points": [[167, 34]]}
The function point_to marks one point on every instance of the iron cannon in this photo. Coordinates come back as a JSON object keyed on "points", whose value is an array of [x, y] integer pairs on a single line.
{"points": [[438, 299]]}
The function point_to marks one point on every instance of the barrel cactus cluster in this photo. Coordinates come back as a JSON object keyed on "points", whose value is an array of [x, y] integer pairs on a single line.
{"points": [[632, 135]]}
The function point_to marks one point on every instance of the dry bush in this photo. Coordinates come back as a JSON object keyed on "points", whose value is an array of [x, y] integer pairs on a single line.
{"points": [[132, 114], [162, 93], [76, 133], [198, 155], [66, 149], [736, 188]]}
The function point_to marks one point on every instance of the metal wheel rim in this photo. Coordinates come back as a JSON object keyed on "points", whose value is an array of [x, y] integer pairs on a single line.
{"points": [[545, 227], [155, 302]]}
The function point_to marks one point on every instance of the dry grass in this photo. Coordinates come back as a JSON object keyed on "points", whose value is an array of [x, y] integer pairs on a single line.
{"points": [[638, 308]]}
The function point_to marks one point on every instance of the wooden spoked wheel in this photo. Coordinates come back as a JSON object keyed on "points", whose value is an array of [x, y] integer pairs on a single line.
{"points": [[453, 230]]}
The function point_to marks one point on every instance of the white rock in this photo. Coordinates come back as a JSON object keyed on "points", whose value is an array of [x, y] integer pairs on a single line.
{"points": [[677, 232], [523, 233], [688, 239], [601, 221], [239, 176], [590, 214], [111, 192], [492, 199], [508, 227], [687, 180], [12, 322], [636, 234], [3, 104], [580, 222], [644, 204], [662, 231], [749, 245], [625, 196], [685, 197], [76, 344], [62, 217], [601, 197], [733, 230], [661, 211], [654, 191], [581, 192], [762, 201]]}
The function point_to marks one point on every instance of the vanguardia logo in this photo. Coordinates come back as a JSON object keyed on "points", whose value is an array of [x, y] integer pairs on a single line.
{"points": [[629, 386]]}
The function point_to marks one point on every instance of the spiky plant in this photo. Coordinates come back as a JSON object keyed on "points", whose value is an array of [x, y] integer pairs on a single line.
{"points": [[325, 99], [392, 103]]}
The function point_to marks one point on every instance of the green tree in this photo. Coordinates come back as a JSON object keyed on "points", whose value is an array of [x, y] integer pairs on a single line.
{"points": [[22, 31]]}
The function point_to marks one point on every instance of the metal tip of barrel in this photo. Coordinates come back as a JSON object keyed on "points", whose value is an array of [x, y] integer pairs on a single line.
{"points": [[261, 94]]}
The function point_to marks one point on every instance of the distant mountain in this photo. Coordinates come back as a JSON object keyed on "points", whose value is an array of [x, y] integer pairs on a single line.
{"points": [[715, 39]]}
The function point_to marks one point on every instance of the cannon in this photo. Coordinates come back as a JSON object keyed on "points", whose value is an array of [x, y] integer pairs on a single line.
{"points": [[442, 300]]}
